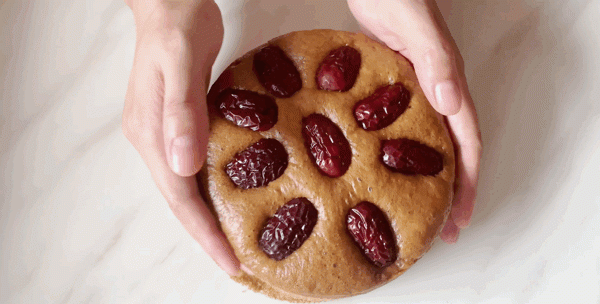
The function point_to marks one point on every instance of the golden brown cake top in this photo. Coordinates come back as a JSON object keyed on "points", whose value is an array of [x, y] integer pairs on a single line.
{"points": [[328, 264]]}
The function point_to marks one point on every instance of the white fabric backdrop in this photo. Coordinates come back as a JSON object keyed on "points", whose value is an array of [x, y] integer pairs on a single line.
{"points": [[82, 221]]}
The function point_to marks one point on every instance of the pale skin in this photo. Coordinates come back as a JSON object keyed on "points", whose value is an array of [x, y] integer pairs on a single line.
{"points": [[165, 116]]}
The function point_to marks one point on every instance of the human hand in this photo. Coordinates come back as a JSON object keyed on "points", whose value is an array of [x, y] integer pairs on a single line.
{"points": [[165, 115], [416, 29]]}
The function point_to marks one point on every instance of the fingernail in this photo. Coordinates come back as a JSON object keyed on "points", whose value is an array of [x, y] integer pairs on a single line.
{"points": [[448, 97], [232, 268], [450, 232], [454, 238], [462, 222], [235, 273], [246, 269], [182, 155], [461, 218]]}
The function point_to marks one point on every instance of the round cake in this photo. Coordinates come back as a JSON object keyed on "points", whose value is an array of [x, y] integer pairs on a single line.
{"points": [[328, 170]]}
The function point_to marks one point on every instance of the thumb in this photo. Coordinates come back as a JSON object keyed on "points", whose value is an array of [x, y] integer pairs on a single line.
{"points": [[417, 30], [185, 119], [437, 67]]}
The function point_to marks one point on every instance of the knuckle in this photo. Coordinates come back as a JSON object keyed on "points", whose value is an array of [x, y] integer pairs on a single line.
{"points": [[479, 145], [211, 242], [475, 146], [128, 127], [460, 62], [126, 118], [174, 108], [177, 201], [139, 131], [439, 51], [173, 203], [175, 42], [182, 113], [444, 51], [125, 129], [477, 142], [214, 246], [443, 59]]}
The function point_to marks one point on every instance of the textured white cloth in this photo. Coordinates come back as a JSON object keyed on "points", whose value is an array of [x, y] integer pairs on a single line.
{"points": [[82, 221]]}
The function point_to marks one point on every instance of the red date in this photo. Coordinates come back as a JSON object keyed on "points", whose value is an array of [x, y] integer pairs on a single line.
{"points": [[371, 231], [276, 72], [382, 108], [258, 165], [338, 71], [248, 109], [411, 157], [287, 230], [326, 144]]}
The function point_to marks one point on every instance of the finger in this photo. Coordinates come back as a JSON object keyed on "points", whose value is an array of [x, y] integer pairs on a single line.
{"points": [[368, 33], [185, 120], [142, 124], [415, 31], [436, 71], [437, 61], [197, 219], [466, 136], [183, 197], [450, 232], [187, 205]]}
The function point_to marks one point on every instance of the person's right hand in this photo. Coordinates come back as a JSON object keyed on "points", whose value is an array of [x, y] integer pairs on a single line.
{"points": [[417, 30], [165, 115]]}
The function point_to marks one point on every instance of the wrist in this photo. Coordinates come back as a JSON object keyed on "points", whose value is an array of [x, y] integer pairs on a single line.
{"points": [[145, 9]]}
